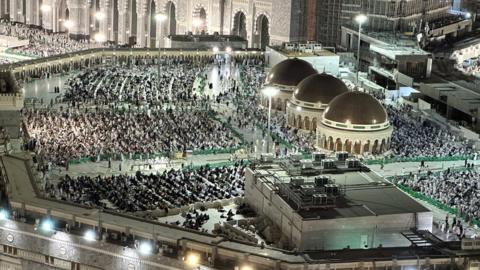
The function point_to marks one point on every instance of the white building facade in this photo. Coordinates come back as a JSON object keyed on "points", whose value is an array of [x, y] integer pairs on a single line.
{"points": [[261, 22]]}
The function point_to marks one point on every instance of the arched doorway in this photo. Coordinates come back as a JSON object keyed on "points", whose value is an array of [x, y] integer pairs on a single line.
{"points": [[348, 146], [240, 25], [306, 120], [338, 144], [170, 26], [357, 148], [331, 144], [366, 147], [262, 33], [152, 24], [199, 20], [375, 147]]}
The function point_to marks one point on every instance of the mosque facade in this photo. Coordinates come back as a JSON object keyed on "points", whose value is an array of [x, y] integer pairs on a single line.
{"points": [[260, 22]]}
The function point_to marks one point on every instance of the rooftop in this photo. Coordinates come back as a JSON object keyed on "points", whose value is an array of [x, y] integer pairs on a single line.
{"points": [[366, 194], [295, 53]]}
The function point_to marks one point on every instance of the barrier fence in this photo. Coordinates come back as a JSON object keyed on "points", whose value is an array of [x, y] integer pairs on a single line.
{"points": [[142, 156], [417, 159], [431, 201]]}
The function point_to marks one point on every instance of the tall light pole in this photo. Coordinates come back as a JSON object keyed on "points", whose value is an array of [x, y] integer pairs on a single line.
{"points": [[270, 92], [160, 18], [360, 19]]}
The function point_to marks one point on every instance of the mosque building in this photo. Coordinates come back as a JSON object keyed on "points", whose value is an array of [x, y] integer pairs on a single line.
{"points": [[343, 120]]}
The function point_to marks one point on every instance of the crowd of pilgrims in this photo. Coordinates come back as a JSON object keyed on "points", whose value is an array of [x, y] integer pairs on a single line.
{"points": [[458, 189], [138, 82], [244, 93], [59, 137], [42, 43], [155, 191], [413, 137]]}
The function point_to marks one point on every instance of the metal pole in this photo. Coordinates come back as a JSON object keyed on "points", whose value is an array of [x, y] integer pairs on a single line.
{"points": [[358, 49], [269, 119]]}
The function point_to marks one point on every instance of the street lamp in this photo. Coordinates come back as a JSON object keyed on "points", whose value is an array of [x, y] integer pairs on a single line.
{"points": [[228, 49], [270, 92], [215, 49], [360, 19], [3, 215], [192, 259], [145, 248], [90, 235]]}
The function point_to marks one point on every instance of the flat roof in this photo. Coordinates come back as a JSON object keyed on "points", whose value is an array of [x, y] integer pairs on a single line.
{"points": [[366, 194], [291, 53]]}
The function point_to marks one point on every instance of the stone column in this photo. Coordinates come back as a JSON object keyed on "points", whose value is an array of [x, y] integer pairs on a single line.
{"points": [[142, 19], [87, 18], [14, 9], [250, 23], [106, 23], [3, 8], [32, 12], [123, 25]]}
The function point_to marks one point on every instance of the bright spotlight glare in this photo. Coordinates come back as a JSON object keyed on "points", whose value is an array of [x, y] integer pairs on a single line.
{"points": [[360, 18], [145, 248], [270, 91], [197, 22], [100, 38], [246, 267], [45, 8], [468, 15], [68, 24], [228, 49], [90, 235], [3, 214], [215, 49], [99, 16], [47, 225], [160, 17], [192, 259]]}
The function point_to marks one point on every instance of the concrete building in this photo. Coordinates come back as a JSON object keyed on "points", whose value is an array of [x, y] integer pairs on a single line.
{"points": [[355, 122], [384, 15], [391, 60], [261, 22], [355, 218]]}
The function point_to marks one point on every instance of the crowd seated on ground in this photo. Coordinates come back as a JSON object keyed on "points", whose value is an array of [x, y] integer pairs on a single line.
{"points": [[62, 137], [139, 83], [42, 43], [457, 189], [413, 137], [161, 191]]}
